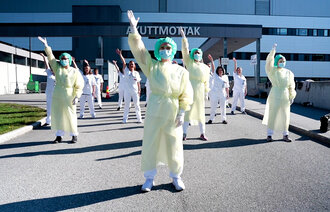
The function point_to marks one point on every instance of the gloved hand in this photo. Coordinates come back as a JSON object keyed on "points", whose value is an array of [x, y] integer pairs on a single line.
{"points": [[179, 118], [291, 101], [75, 101], [133, 22]]}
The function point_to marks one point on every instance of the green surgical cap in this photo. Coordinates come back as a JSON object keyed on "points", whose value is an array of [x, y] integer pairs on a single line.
{"points": [[193, 52], [159, 42], [277, 58], [67, 56]]}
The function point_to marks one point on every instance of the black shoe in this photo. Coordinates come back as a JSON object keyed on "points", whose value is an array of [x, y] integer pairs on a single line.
{"points": [[118, 108], [58, 139], [224, 122], [232, 113], [286, 138], [269, 138], [145, 105], [74, 139], [209, 122], [100, 107], [184, 138]]}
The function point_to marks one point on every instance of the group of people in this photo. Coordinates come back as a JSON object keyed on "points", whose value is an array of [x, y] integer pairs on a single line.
{"points": [[176, 99]]}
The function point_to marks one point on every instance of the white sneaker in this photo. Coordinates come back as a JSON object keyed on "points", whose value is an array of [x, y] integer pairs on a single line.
{"points": [[124, 121], [178, 184], [146, 187], [140, 121], [93, 116], [81, 117]]}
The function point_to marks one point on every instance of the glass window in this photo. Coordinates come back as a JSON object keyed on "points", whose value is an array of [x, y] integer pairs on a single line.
{"points": [[34, 62], [5, 57], [314, 32], [302, 32], [292, 32], [283, 31], [326, 32], [317, 57], [20, 60], [262, 7], [320, 32], [310, 32], [41, 64]]}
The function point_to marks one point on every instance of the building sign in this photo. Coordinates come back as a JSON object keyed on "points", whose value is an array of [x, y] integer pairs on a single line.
{"points": [[224, 61], [166, 30], [253, 59], [99, 61]]}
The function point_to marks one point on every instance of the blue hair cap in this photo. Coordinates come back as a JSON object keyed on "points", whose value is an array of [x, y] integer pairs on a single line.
{"points": [[159, 42]]}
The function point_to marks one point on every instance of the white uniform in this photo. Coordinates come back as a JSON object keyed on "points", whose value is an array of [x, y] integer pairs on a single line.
{"points": [[87, 95], [98, 80], [218, 94], [121, 88], [49, 93], [239, 91], [132, 91]]}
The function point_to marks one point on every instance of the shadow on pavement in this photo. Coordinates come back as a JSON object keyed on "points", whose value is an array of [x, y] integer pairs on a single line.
{"points": [[25, 144], [104, 147], [121, 156], [71, 201], [226, 144]]}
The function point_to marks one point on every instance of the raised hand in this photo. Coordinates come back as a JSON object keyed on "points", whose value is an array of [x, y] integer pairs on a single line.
{"points": [[275, 45], [182, 33], [210, 57], [118, 51], [133, 22], [43, 40], [114, 62], [234, 59]]}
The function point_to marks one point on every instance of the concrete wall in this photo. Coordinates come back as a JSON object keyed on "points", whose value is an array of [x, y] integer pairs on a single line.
{"points": [[8, 77]]}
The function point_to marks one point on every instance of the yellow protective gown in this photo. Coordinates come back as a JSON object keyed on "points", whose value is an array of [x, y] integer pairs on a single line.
{"points": [[199, 74], [69, 84], [277, 112], [170, 91]]}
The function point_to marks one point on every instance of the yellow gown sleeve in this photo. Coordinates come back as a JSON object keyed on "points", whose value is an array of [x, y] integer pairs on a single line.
{"points": [[78, 85], [186, 96], [52, 60], [140, 52], [292, 85], [270, 62], [185, 53]]}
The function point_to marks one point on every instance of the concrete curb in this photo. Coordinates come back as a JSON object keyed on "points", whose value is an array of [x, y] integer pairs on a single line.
{"points": [[295, 129], [20, 131]]}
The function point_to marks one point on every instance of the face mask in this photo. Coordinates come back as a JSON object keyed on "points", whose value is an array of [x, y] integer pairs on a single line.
{"points": [[281, 65], [64, 62], [165, 54], [198, 57]]}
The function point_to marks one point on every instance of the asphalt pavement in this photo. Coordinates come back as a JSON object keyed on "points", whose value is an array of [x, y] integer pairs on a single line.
{"points": [[235, 170]]}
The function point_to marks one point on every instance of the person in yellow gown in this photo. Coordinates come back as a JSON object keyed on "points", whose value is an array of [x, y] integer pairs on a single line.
{"points": [[68, 88], [171, 96], [199, 74], [281, 96]]}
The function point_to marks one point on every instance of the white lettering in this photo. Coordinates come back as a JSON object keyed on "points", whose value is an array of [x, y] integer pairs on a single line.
{"points": [[172, 30], [196, 31], [141, 30], [185, 29], [128, 30], [149, 29], [190, 31], [156, 29], [163, 30]]}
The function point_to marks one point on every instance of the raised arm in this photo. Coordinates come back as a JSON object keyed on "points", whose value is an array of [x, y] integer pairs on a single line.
{"points": [[52, 60], [185, 49], [235, 65], [137, 47], [74, 63], [118, 69], [119, 52], [212, 63], [45, 61], [270, 60]]}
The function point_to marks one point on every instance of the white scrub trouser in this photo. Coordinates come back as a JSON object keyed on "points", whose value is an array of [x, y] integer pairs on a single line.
{"points": [[49, 97], [150, 174], [241, 96], [200, 124], [121, 97], [136, 99], [271, 132], [61, 133], [89, 99], [98, 96], [214, 103]]}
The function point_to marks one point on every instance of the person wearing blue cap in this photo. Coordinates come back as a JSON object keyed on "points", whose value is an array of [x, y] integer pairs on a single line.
{"points": [[171, 95], [281, 96], [68, 88]]}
